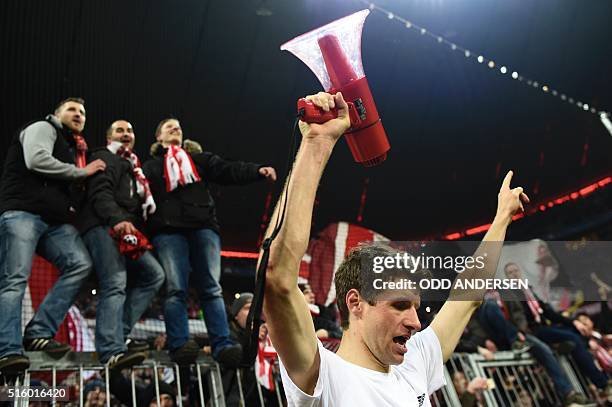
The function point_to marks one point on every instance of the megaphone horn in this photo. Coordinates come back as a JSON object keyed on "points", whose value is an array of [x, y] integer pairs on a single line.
{"points": [[333, 53]]}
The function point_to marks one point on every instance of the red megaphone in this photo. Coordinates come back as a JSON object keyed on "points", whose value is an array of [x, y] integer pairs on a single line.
{"points": [[333, 53]]}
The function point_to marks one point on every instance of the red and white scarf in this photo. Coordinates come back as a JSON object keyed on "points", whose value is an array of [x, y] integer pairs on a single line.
{"points": [[81, 151], [179, 168], [264, 363], [534, 305], [601, 354], [142, 184]]}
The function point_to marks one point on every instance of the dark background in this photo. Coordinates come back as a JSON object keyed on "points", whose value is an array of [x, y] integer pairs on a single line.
{"points": [[455, 126]]}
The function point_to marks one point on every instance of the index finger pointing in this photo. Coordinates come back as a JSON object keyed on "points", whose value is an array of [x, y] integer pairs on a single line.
{"points": [[507, 180]]}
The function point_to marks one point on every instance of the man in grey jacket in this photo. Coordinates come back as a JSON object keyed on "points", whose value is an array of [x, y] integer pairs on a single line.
{"points": [[40, 191]]}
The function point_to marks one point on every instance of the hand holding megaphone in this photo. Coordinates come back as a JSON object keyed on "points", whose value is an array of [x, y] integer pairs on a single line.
{"points": [[331, 113], [311, 113]]}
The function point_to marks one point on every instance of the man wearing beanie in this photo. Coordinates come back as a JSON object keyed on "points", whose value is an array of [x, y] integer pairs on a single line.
{"points": [[148, 397], [94, 393], [242, 300], [238, 312]]}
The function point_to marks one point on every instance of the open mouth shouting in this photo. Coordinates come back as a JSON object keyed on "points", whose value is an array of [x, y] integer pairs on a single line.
{"points": [[400, 343], [126, 140]]}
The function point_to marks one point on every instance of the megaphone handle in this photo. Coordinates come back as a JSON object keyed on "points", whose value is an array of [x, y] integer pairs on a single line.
{"points": [[310, 113]]}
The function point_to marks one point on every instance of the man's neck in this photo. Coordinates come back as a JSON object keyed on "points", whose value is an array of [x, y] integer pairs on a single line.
{"points": [[168, 145], [354, 350]]}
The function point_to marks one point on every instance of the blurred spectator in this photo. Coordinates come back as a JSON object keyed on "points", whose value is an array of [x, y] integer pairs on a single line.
{"points": [[144, 383], [148, 397], [470, 394], [160, 342], [525, 399], [533, 316], [325, 322], [507, 335], [239, 311], [596, 343], [94, 393]]}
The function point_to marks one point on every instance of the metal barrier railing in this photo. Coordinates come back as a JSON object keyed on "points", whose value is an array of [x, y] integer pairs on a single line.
{"points": [[446, 396], [578, 380], [517, 381], [206, 371]]}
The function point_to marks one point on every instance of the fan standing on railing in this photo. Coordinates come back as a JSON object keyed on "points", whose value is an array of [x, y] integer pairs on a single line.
{"points": [[185, 233]]}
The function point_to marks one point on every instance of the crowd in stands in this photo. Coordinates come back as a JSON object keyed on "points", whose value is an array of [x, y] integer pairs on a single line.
{"points": [[525, 323]]}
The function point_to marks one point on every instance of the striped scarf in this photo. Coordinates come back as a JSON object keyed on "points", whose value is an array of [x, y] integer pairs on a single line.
{"points": [[81, 151], [142, 184], [179, 168]]}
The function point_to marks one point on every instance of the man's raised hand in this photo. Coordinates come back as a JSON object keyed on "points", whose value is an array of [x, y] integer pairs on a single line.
{"points": [[510, 200], [333, 129]]}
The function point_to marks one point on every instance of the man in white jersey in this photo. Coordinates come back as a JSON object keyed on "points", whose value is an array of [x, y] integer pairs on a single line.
{"points": [[380, 362]]}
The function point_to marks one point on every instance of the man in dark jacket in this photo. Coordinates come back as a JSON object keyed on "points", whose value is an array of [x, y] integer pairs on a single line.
{"points": [[533, 316], [38, 201], [238, 312], [117, 200], [185, 234]]}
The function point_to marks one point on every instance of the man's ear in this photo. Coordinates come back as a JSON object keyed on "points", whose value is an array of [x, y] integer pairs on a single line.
{"points": [[354, 302]]}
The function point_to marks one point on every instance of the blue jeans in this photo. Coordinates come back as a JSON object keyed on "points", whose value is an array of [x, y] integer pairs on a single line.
{"points": [[543, 354], [582, 356], [504, 333], [21, 235], [198, 251], [491, 317], [119, 309]]}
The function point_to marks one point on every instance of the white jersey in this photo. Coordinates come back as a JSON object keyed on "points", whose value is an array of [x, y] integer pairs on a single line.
{"points": [[343, 384]]}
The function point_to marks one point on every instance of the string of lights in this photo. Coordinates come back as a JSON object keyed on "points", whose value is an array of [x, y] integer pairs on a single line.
{"points": [[604, 116]]}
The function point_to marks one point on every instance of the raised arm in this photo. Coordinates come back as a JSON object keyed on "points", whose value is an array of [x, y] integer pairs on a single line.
{"points": [[228, 172], [288, 318], [456, 312]]}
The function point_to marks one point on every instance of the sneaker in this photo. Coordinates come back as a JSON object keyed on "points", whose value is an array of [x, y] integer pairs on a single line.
{"points": [[125, 360], [136, 346], [47, 345], [574, 399], [14, 363], [186, 354], [230, 356], [520, 347]]}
